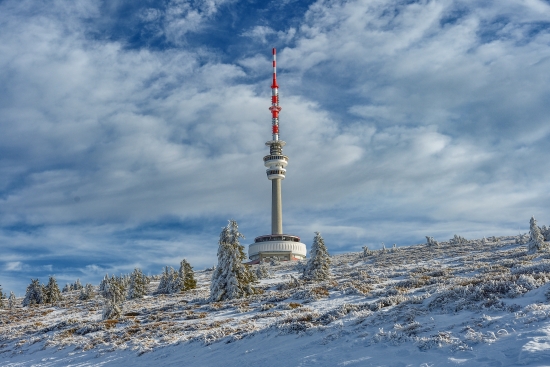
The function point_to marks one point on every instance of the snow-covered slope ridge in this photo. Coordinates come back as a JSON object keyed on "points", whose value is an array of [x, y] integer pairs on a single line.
{"points": [[473, 304]]}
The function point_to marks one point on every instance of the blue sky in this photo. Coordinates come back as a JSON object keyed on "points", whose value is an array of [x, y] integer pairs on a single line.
{"points": [[130, 131]]}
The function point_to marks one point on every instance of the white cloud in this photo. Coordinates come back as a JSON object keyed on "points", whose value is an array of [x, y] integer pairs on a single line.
{"points": [[13, 266], [263, 34], [260, 33]]}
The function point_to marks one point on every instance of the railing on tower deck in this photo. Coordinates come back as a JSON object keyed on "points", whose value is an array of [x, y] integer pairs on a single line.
{"points": [[277, 237], [275, 158]]}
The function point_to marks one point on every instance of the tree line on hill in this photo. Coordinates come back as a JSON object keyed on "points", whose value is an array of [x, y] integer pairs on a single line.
{"points": [[231, 278], [113, 289], [538, 239]]}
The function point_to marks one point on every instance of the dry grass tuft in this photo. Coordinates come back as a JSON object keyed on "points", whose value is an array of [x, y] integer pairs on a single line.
{"points": [[110, 323]]}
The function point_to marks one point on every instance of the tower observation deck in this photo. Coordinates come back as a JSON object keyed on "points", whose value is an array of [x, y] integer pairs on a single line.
{"points": [[276, 246]]}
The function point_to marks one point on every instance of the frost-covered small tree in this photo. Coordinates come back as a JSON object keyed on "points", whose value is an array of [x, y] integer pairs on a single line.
{"points": [[169, 281], [262, 271], [545, 231], [164, 281], [458, 240], [113, 292], [187, 276], [77, 285], [137, 284], [51, 291], [11, 300], [231, 278], [34, 294], [431, 241], [318, 265], [176, 284], [2, 298], [103, 284], [124, 280], [366, 251], [87, 292], [536, 239]]}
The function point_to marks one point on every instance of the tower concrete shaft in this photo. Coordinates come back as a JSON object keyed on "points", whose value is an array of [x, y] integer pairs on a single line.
{"points": [[276, 208]]}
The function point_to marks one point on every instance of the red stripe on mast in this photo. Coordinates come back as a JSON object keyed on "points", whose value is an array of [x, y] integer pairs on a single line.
{"points": [[274, 85]]}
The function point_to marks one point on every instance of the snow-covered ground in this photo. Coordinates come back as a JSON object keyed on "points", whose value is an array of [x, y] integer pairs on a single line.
{"points": [[481, 303]]}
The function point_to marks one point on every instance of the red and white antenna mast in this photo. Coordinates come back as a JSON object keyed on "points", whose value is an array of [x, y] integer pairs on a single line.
{"points": [[275, 108], [275, 161]]}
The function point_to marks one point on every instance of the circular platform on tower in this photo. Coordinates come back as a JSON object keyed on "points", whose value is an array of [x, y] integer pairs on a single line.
{"points": [[280, 247]]}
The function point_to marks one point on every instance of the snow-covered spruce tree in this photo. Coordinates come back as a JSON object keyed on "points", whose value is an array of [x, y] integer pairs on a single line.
{"points": [[169, 281], [51, 291], [103, 284], [66, 288], [34, 294], [176, 284], [124, 280], [77, 285], [164, 281], [136, 286], [187, 275], [317, 267], [87, 292], [11, 300], [113, 292], [231, 278], [536, 239]]}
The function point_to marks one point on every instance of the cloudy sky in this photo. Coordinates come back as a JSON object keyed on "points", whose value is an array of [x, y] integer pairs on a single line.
{"points": [[130, 131]]}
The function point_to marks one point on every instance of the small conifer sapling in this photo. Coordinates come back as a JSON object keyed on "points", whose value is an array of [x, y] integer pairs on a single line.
{"points": [[262, 271], [169, 281], [11, 300], [2, 298], [51, 291], [34, 294], [114, 294], [536, 240], [187, 275], [87, 292], [137, 284]]}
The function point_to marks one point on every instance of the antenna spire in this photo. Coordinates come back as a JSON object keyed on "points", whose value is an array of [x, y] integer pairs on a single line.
{"points": [[275, 108]]}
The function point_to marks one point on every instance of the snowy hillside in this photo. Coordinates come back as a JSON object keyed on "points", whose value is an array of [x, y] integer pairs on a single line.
{"points": [[477, 303]]}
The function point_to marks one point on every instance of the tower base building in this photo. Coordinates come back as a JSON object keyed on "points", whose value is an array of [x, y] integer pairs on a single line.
{"points": [[276, 246], [279, 247]]}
